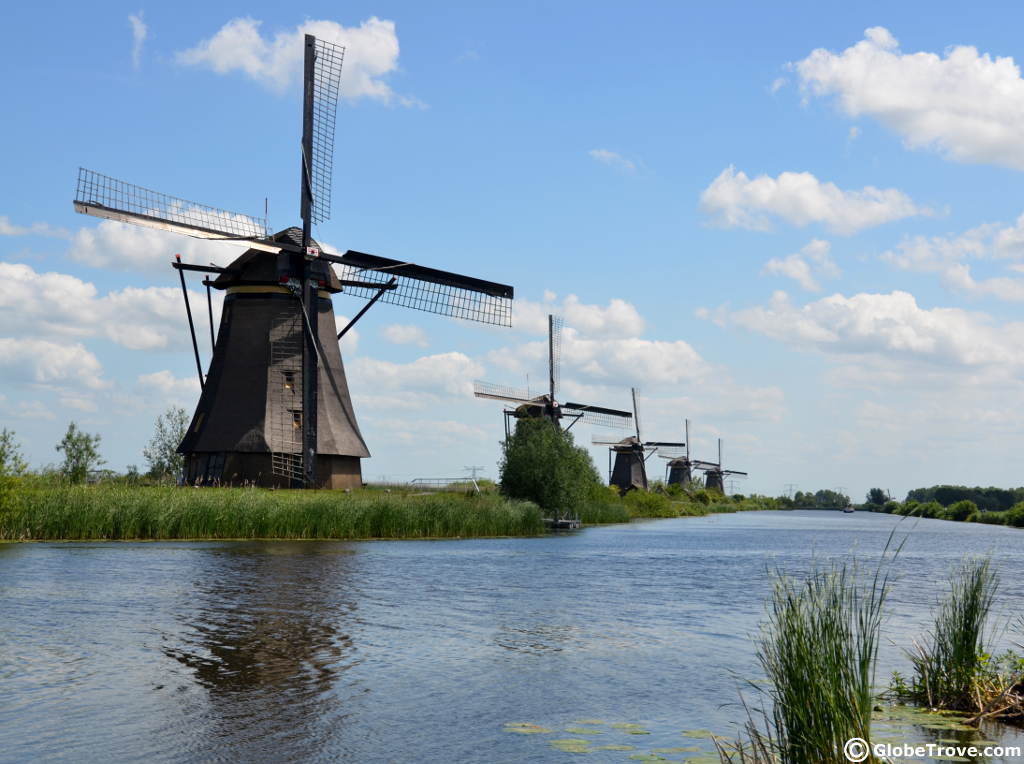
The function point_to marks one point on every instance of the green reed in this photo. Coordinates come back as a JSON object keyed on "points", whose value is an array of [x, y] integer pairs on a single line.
{"points": [[948, 663], [126, 512]]}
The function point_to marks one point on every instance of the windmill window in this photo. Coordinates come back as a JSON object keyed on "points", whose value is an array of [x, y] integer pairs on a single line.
{"points": [[289, 380], [296, 420]]}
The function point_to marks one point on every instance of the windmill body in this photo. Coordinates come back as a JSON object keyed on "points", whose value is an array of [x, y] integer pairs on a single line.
{"points": [[714, 474], [679, 469], [628, 457], [248, 425], [275, 409]]}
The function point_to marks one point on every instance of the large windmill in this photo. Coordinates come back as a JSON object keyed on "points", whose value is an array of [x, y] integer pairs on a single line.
{"points": [[679, 469], [275, 407], [629, 470], [714, 475], [546, 405]]}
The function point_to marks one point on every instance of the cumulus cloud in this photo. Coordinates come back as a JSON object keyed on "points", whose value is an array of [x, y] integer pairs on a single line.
{"points": [[167, 387], [49, 364], [405, 334], [610, 158], [814, 259], [966, 105], [371, 54], [139, 30], [890, 325], [450, 373], [7, 228], [734, 200], [129, 247], [58, 305], [949, 256], [617, 319]]}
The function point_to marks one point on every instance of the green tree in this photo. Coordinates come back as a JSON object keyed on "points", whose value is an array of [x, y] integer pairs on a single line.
{"points": [[12, 463], [541, 463], [877, 496], [162, 452], [81, 454]]}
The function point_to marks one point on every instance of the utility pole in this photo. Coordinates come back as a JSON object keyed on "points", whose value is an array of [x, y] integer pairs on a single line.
{"points": [[790, 488], [472, 475]]}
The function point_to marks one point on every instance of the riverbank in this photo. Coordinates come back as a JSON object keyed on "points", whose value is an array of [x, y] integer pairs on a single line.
{"points": [[113, 512]]}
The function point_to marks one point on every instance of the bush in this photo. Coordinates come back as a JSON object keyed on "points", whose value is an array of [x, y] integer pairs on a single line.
{"points": [[644, 504], [1015, 515], [931, 509], [701, 496], [992, 518], [890, 507], [542, 464], [960, 511]]}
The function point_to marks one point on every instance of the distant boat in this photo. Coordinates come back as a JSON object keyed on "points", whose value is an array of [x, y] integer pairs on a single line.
{"points": [[849, 508]]}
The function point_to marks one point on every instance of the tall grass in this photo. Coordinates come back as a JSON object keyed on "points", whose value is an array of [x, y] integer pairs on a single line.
{"points": [[818, 649], [123, 512], [948, 663]]}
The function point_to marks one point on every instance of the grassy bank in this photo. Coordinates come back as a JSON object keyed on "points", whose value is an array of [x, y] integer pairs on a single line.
{"points": [[96, 512], [965, 511]]}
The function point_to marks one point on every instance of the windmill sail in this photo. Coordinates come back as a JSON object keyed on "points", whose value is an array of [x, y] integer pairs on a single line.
{"points": [[326, 86], [515, 395], [105, 197], [427, 289], [598, 415]]}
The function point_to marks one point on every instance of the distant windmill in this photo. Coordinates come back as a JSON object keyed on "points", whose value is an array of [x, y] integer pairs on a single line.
{"points": [[275, 407], [713, 472], [679, 469], [526, 406], [629, 470]]}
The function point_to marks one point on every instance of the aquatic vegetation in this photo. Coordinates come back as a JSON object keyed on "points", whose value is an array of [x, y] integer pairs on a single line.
{"points": [[947, 665], [583, 731], [526, 728], [572, 745], [40, 511], [818, 649]]}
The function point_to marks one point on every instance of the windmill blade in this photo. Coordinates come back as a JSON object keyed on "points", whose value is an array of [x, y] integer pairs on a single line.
{"points": [[325, 80], [555, 352], [597, 440], [734, 472], [702, 465], [597, 415], [636, 414], [105, 197], [671, 444], [427, 289], [667, 451], [515, 395]]}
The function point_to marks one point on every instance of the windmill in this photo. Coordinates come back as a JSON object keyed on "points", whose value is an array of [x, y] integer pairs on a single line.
{"points": [[527, 406], [714, 474], [275, 407], [629, 470], [679, 469]]}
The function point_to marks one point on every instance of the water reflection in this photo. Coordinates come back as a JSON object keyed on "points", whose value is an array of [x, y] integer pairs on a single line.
{"points": [[266, 631]]}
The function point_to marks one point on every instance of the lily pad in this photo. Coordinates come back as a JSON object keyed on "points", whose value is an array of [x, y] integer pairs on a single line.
{"points": [[708, 734], [572, 745], [589, 721], [615, 747], [677, 749], [526, 728], [583, 731]]}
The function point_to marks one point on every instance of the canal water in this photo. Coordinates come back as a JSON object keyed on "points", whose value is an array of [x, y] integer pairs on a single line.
{"points": [[423, 651]]}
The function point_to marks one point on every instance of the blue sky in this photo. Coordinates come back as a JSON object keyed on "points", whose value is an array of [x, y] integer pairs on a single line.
{"points": [[793, 224]]}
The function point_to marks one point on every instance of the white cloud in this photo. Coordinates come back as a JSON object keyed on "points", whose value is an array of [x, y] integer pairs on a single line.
{"points": [[450, 373], [123, 246], [735, 200], [7, 228], [62, 306], [966, 105], [777, 84], [946, 256], [431, 434], [618, 319], [802, 266], [50, 364], [371, 54], [892, 326], [610, 158], [405, 334], [164, 386], [139, 30]]}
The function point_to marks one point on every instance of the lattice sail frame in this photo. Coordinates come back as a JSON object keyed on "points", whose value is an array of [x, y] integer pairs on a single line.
{"points": [[145, 206], [326, 90], [598, 418], [430, 296], [556, 324]]}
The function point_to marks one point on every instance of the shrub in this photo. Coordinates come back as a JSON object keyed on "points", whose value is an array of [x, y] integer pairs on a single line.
{"points": [[992, 518], [542, 464], [960, 511], [645, 504], [1015, 515], [890, 507], [931, 509], [701, 496]]}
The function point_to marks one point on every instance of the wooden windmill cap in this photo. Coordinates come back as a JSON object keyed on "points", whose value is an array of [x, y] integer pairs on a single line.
{"points": [[256, 267]]}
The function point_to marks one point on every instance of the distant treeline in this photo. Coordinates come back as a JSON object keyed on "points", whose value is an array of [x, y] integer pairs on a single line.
{"points": [[986, 499]]}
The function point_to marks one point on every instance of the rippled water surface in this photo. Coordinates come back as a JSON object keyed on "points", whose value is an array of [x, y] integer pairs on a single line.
{"points": [[421, 650]]}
